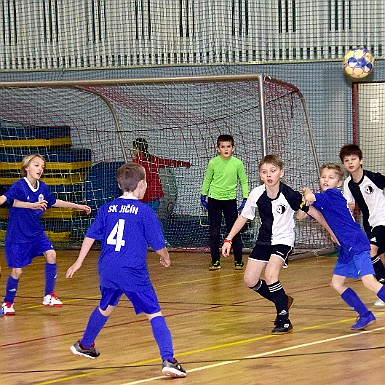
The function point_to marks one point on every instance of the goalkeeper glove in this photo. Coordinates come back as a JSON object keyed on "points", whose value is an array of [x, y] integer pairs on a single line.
{"points": [[240, 208], [204, 202]]}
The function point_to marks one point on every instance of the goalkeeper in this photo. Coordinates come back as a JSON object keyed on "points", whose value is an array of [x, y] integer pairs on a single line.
{"points": [[220, 186]]}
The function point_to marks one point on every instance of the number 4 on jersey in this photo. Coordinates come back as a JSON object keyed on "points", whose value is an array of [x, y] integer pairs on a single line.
{"points": [[116, 235]]}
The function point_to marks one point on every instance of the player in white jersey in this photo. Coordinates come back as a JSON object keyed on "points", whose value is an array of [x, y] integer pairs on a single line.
{"points": [[365, 189], [276, 204]]}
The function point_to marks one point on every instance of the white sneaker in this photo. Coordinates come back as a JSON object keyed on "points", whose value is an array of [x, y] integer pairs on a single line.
{"points": [[7, 308], [379, 302], [52, 300]]}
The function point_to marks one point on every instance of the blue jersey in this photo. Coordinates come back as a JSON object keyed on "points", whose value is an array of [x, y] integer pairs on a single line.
{"points": [[333, 207], [125, 227], [24, 224]]}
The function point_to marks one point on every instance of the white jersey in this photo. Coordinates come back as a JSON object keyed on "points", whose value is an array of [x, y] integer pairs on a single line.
{"points": [[369, 196], [276, 215]]}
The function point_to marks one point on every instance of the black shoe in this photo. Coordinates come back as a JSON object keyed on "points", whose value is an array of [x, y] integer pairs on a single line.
{"points": [[78, 349], [282, 327], [173, 369]]}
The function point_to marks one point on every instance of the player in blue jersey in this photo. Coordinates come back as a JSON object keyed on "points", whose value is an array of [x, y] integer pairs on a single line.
{"points": [[276, 204], [25, 238], [125, 227], [366, 190], [354, 248]]}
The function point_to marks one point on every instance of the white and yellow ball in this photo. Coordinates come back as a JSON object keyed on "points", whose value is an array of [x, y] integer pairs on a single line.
{"points": [[358, 63]]}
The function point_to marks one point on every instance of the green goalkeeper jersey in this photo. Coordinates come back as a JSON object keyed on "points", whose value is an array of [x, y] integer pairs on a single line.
{"points": [[221, 178]]}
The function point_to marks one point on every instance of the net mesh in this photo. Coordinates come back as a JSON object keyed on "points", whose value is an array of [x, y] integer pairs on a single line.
{"points": [[86, 131]]}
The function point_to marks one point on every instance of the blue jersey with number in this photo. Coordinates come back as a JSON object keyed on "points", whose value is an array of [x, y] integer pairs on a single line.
{"points": [[125, 227], [333, 206], [24, 224]]}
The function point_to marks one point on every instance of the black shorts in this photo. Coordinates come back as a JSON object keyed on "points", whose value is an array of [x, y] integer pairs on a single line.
{"points": [[264, 252], [377, 238]]}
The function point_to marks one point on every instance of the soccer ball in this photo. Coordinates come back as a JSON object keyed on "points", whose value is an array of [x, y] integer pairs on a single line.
{"points": [[358, 63]]}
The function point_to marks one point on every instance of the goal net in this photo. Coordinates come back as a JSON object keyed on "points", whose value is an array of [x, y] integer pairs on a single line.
{"points": [[85, 130]]}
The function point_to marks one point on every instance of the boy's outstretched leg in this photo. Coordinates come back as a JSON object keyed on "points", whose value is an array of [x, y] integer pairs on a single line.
{"points": [[162, 335], [365, 316], [86, 346]]}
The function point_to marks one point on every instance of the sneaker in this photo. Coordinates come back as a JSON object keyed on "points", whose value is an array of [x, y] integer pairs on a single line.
{"points": [[173, 369], [363, 321], [239, 265], [215, 265], [379, 302], [78, 349], [52, 300], [282, 327], [7, 308]]}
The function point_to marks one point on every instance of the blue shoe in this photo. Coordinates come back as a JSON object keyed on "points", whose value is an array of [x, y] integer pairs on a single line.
{"points": [[363, 321]]}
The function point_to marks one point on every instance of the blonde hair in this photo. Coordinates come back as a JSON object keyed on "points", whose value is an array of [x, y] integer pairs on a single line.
{"points": [[27, 161], [334, 166]]}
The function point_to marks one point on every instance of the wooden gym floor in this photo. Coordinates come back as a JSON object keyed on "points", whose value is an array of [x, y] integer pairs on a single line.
{"points": [[220, 328]]}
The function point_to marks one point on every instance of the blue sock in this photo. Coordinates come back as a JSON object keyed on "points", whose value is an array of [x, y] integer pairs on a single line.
{"points": [[50, 277], [381, 293], [95, 324], [354, 301], [162, 337], [11, 289]]}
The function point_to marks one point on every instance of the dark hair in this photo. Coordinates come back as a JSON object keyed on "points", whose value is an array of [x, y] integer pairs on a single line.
{"points": [[225, 138], [271, 159], [141, 144], [333, 166], [129, 175], [350, 149]]}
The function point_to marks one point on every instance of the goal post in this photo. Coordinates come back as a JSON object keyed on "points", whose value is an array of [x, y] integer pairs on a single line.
{"points": [[85, 129]]}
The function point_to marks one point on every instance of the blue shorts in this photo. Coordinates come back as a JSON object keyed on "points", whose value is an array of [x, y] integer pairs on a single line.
{"points": [[264, 252], [143, 301], [21, 254], [357, 266]]}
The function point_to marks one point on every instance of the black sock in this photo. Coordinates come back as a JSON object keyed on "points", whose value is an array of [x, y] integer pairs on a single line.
{"points": [[280, 300], [262, 289]]}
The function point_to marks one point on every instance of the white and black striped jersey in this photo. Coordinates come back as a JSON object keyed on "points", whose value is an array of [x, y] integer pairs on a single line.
{"points": [[276, 215], [369, 196]]}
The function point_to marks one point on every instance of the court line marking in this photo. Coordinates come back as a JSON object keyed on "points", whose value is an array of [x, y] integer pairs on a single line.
{"points": [[261, 355], [227, 362]]}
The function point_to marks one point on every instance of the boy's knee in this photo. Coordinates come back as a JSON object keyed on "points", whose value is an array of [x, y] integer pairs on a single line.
{"points": [[250, 281], [50, 256], [371, 283], [16, 273]]}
